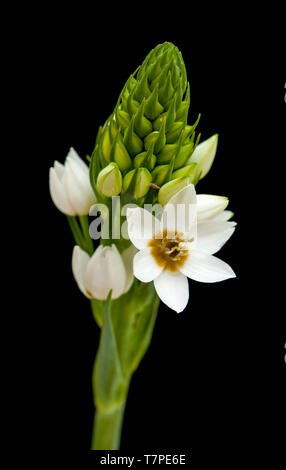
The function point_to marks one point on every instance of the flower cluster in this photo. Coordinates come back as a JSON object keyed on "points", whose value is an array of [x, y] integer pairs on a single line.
{"points": [[146, 150], [147, 153]]}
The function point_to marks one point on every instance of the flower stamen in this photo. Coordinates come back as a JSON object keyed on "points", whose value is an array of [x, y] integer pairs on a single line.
{"points": [[170, 250]]}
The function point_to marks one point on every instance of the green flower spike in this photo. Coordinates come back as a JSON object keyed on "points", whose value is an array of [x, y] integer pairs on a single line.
{"points": [[148, 130]]}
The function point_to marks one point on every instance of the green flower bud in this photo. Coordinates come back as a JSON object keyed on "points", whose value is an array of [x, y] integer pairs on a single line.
{"points": [[151, 139], [123, 119], [119, 155], [146, 159], [159, 174], [169, 189], [153, 108], [204, 155], [156, 138], [142, 125], [174, 132], [109, 180], [142, 183], [183, 155], [133, 143], [106, 142], [187, 171], [167, 152]]}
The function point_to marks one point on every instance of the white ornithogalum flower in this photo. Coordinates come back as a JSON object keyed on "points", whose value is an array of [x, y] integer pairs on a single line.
{"points": [[191, 229], [70, 187], [106, 269]]}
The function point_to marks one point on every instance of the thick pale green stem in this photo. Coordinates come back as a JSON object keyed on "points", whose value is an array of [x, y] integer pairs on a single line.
{"points": [[107, 429], [126, 329]]}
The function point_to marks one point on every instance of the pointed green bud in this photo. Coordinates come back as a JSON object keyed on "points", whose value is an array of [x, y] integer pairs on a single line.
{"points": [[133, 143], [159, 174], [106, 142], [188, 130], [161, 140], [160, 79], [142, 184], [153, 108], [169, 118], [187, 171], [204, 155], [169, 189], [109, 180], [142, 90], [132, 105], [142, 125], [183, 155], [167, 152], [174, 132], [123, 119], [156, 138], [146, 159], [166, 92], [119, 155]]}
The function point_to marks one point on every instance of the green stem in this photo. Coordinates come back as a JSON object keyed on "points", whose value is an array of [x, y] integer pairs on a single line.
{"points": [[85, 229], [107, 429], [81, 235], [126, 331], [76, 231]]}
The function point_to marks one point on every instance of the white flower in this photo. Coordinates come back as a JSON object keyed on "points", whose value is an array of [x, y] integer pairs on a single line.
{"points": [[70, 187], [106, 269], [192, 228]]}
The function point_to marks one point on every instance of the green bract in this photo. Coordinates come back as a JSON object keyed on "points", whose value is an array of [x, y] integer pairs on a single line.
{"points": [[148, 128]]}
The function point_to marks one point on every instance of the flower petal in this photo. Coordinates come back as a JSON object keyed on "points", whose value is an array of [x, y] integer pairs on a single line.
{"points": [[223, 216], [80, 260], [209, 206], [141, 226], [59, 169], [180, 214], [145, 267], [206, 268], [213, 234], [173, 290], [78, 186], [105, 271], [58, 194], [73, 155]]}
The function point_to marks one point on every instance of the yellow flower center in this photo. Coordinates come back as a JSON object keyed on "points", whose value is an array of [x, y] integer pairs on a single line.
{"points": [[169, 249]]}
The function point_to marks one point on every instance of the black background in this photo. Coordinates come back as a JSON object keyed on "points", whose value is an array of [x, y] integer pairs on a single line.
{"points": [[213, 378]]}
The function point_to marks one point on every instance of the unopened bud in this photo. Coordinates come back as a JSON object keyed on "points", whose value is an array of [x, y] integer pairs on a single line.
{"points": [[120, 155], [109, 180], [159, 174], [106, 142], [187, 171], [183, 155], [174, 132], [143, 179], [204, 155], [168, 190], [131, 140], [143, 159]]}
